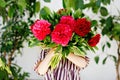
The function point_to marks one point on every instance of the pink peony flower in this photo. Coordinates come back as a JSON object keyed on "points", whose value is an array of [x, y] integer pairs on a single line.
{"points": [[69, 20], [94, 40], [82, 27], [61, 34], [40, 29]]}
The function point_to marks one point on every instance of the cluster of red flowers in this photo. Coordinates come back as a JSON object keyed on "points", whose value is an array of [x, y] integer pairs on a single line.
{"points": [[63, 31]]}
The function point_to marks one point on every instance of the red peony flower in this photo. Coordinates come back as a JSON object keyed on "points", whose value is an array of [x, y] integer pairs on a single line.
{"points": [[61, 34], [94, 40], [82, 27], [69, 20], [40, 29]]}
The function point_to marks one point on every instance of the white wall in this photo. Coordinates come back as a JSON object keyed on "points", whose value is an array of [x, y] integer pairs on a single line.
{"points": [[93, 71]]}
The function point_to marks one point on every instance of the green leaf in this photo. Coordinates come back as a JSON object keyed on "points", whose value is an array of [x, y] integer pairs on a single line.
{"points": [[34, 42], [77, 51], [37, 6], [109, 22], [58, 49], [3, 14], [75, 4], [47, 0], [55, 60], [114, 58], [105, 31], [3, 75], [77, 39], [65, 51], [11, 11], [63, 4], [102, 21], [108, 1], [107, 28], [45, 11], [68, 4], [94, 23], [96, 47], [98, 3], [2, 3], [91, 48], [3, 59], [103, 48], [2, 63], [103, 11], [105, 2], [104, 61], [96, 59], [116, 31], [77, 13], [117, 26], [14, 71], [108, 44], [95, 9], [8, 70], [51, 45], [22, 3], [78, 4]]}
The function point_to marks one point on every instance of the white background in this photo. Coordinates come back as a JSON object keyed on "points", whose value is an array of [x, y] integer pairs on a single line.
{"points": [[93, 71]]}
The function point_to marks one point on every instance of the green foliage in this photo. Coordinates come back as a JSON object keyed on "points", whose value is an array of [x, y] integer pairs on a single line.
{"points": [[65, 51], [77, 13], [3, 75], [98, 3], [47, 0], [11, 11], [17, 17], [55, 60], [14, 71], [59, 48], [45, 11], [94, 23], [104, 60], [110, 57], [96, 59], [103, 11], [3, 66], [108, 44], [2, 3], [106, 2], [75, 4], [37, 6], [17, 73], [109, 25], [22, 4], [79, 4], [78, 51], [116, 31]]}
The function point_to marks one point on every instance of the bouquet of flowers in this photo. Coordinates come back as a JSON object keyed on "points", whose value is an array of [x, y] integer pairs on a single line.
{"points": [[67, 31]]}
